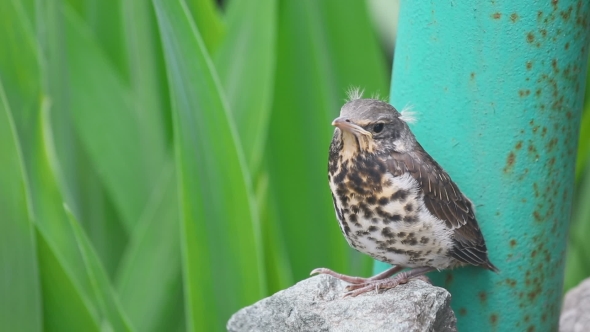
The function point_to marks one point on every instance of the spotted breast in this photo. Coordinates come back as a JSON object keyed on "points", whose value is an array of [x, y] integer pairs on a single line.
{"points": [[383, 215]]}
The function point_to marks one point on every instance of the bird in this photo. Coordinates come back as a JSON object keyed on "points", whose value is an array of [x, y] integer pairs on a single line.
{"points": [[394, 202]]}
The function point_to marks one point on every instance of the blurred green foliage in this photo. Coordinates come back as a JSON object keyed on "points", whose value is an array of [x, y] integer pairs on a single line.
{"points": [[164, 162], [578, 253]]}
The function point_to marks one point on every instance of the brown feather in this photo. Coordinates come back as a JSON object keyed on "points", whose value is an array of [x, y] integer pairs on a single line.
{"points": [[444, 200]]}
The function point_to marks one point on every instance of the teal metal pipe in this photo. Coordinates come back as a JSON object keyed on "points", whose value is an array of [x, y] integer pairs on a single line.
{"points": [[498, 87]]}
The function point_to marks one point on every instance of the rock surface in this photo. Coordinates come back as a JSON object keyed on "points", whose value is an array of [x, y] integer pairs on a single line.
{"points": [[316, 304], [575, 314]]}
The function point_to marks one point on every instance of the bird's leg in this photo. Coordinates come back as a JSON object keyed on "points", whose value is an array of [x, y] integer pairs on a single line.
{"points": [[359, 280], [400, 278]]}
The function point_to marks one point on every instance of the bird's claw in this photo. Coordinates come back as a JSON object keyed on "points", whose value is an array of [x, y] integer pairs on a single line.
{"points": [[376, 285], [319, 270]]}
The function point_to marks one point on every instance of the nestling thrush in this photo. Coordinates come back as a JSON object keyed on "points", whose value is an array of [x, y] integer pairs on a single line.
{"points": [[394, 202]]}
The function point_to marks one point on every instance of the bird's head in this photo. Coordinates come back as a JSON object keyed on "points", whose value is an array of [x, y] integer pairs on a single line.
{"points": [[371, 125]]}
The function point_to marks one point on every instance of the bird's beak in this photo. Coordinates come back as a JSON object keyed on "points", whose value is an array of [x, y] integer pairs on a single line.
{"points": [[345, 124]]}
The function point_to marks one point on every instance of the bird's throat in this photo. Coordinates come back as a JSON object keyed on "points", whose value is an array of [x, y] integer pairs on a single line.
{"points": [[353, 145]]}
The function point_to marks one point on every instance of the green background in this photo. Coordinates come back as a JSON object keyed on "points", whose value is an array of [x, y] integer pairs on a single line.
{"points": [[164, 162]]}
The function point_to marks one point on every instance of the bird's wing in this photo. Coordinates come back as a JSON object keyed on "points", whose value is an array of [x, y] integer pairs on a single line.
{"points": [[443, 199]]}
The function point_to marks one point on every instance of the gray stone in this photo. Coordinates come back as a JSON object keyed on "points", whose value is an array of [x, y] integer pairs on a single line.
{"points": [[575, 314], [316, 304]]}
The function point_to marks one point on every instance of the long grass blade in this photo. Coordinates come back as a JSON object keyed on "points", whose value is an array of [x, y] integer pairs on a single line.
{"points": [[578, 252], [29, 113], [76, 175], [207, 17], [65, 307], [310, 87], [248, 79], [110, 128], [154, 300], [217, 211], [20, 303]]}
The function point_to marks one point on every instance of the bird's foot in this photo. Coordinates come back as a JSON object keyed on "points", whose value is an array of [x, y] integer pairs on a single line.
{"points": [[398, 279], [357, 280], [376, 285], [380, 281], [343, 277]]}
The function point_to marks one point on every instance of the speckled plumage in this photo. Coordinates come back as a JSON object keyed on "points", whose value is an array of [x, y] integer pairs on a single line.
{"points": [[393, 201]]}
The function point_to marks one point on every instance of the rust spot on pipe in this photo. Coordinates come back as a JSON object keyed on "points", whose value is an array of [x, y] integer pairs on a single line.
{"points": [[483, 297], [512, 243], [494, 319], [530, 37], [524, 93], [514, 17], [511, 282], [536, 189], [518, 145], [533, 294], [532, 148], [554, 65], [543, 33], [497, 16], [551, 145], [449, 279], [509, 162], [529, 65], [462, 311], [565, 14]]}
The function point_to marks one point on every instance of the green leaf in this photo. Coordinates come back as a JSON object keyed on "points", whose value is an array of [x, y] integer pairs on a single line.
{"points": [[207, 18], [279, 273], [19, 68], [77, 177], [323, 49], [20, 303], [218, 219], [247, 79], [154, 300], [104, 20], [126, 154], [104, 298], [66, 239], [584, 141], [147, 75], [65, 308], [578, 253]]}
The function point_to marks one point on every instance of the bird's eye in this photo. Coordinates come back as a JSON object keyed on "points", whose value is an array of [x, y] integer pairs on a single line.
{"points": [[378, 127]]}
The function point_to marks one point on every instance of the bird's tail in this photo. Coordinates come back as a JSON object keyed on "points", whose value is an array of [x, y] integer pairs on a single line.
{"points": [[488, 265]]}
